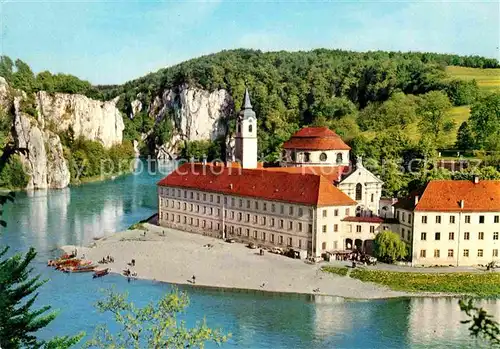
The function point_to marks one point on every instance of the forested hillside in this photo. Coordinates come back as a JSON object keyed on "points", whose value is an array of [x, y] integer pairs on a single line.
{"points": [[387, 105]]}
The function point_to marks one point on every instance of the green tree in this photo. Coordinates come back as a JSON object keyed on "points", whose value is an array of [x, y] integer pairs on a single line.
{"points": [[462, 92], [465, 138], [484, 122], [13, 175], [434, 120], [23, 77], [153, 326], [19, 322], [389, 247], [6, 66]]}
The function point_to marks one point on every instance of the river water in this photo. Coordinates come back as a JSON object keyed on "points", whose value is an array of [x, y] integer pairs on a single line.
{"points": [[47, 219]]}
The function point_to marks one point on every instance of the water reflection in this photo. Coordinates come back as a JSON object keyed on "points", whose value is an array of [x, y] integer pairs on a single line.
{"points": [[46, 219]]}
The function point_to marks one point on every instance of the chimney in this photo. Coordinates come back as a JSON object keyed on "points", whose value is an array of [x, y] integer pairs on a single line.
{"points": [[462, 204], [475, 179], [417, 198]]}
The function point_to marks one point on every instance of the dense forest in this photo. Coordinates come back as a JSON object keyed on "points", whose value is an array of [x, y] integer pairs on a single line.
{"points": [[386, 105]]}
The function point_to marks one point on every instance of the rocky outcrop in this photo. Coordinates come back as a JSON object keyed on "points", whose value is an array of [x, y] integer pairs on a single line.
{"points": [[92, 119], [58, 174], [196, 114], [43, 159]]}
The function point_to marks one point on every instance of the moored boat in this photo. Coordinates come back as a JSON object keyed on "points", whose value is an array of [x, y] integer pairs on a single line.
{"points": [[100, 273], [80, 269]]}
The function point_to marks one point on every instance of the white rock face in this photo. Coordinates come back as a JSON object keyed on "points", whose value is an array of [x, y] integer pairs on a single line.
{"points": [[45, 165], [92, 119], [136, 106], [197, 115], [44, 160], [4, 94], [58, 175]]}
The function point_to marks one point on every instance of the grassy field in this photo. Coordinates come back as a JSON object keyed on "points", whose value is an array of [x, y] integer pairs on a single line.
{"points": [[487, 79], [479, 284], [342, 271]]}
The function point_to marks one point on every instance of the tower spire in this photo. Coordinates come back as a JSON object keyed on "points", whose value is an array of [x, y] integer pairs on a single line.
{"points": [[246, 102]]}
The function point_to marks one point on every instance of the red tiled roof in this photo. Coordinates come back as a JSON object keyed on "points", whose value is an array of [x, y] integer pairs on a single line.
{"points": [[332, 173], [364, 219], [315, 132], [316, 138], [297, 188], [445, 196]]}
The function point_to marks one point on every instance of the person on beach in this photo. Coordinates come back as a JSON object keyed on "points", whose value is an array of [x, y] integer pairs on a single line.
{"points": [[194, 279]]}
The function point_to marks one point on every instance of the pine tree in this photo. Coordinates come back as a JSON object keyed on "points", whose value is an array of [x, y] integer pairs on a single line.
{"points": [[18, 320]]}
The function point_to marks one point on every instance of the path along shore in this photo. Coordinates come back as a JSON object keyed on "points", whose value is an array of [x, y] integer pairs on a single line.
{"points": [[176, 256]]}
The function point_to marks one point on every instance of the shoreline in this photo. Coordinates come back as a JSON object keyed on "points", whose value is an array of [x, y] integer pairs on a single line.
{"points": [[175, 257]]}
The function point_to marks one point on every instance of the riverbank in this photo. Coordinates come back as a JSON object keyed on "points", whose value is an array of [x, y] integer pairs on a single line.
{"points": [[481, 284], [177, 256]]}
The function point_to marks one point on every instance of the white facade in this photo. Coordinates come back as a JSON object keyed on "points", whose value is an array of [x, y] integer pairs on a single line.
{"points": [[451, 238], [364, 187], [264, 222], [295, 157]]}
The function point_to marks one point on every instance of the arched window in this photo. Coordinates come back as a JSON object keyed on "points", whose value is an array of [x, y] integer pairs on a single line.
{"points": [[323, 156], [250, 128], [339, 158], [307, 157], [359, 191]]}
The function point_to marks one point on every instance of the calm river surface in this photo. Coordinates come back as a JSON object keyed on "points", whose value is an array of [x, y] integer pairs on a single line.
{"points": [[47, 219]]}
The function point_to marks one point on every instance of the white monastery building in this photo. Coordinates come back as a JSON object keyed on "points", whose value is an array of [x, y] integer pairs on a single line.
{"points": [[452, 222], [316, 201]]}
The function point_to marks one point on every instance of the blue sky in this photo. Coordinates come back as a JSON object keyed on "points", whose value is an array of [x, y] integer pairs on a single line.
{"points": [[115, 41]]}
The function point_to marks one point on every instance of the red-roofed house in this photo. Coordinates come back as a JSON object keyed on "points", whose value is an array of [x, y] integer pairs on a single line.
{"points": [[452, 222], [315, 146]]}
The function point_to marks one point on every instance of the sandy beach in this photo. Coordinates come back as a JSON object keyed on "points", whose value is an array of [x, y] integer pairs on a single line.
{"points": [[177, 256]]}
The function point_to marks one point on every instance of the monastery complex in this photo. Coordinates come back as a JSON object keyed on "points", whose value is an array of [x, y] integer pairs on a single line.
{"points": [[317, 202]]}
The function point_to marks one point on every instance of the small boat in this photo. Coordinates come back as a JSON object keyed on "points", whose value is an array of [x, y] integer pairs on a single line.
{"points": [[80, 269], [100, 273]]}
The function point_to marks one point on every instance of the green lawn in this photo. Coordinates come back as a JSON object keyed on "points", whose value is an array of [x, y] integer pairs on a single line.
{"points": [[487, 79], [483, 284]]}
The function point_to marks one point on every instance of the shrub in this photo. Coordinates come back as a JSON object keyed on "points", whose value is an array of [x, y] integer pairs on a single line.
{"points": [[13, 175]]}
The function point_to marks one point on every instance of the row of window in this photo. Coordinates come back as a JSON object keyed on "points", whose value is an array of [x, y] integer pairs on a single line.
{"points": [[466, 253], [438, 219], [234, 202], [247, 217], [324, 247], [336, 211], [192, 207], [481, 219], [451, 236], [306, 156], [273, 238], [191, 220]]}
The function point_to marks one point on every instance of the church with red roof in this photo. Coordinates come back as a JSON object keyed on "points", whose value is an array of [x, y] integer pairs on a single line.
{"points": [[300, 205]]}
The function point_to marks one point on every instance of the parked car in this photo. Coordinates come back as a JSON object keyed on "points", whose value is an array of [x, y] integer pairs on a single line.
{"points": [[277, 250], [252, 246], [231, 241]]}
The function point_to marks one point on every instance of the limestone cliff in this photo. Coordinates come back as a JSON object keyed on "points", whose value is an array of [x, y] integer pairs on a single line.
{"points": [[94, 120], [44, 160], [196, 114]]}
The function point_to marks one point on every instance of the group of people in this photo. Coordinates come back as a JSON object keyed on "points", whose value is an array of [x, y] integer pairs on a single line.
{"points": [[107, 259]]}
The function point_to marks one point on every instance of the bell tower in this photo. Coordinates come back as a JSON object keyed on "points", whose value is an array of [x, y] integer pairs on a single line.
{"points": [[246, 135]]}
